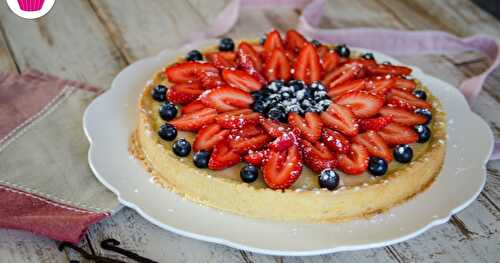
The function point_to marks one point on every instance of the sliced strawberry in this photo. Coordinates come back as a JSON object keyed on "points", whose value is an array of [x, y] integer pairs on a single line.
{"points": [[184, 93], [247, 131], [355, 162], [341, 75], [348, 86], [307, 67], [237, 118], [273, 128], [309, 127], [195, 120], [374, 124], [292, 57], [226, 98], [317, 156], [187, 71], [395, 133], [405, 84], [406, 100], [375, 144], [330, 60], [222, 60], [362, 104], [193, 107], [244, 144], [273, 41], [294, 41], [403, 116], [208, 136], [277, 66], [335, 141], [242, 80], [282, 168], [209, 79], [340, 118], [249, 60], [283, 142], [255, 157], [223, 156], [380, 69], [381, 85]]}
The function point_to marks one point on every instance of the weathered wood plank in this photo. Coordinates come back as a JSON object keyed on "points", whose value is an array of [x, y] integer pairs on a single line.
{"points": [[19, 246]]}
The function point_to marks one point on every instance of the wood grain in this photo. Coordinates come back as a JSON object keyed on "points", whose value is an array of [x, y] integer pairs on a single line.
{"points": [[20, 246]]}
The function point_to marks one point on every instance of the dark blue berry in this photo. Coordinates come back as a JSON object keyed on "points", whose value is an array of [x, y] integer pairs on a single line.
{"points": [[226, 44], [168, 111], [328, 179], [386, 63], [286, 95], [377, 166], [316, 43], [201, 158], [297, 85], [249, 173], [420, 94], [262, 39], [403, 153], [159, 92], [368, 56], [167, 132], [343, 51], [194, 55], [181, 147], [277, 113], [259, 106], [257, 95], [424, 133], [426, 113]]}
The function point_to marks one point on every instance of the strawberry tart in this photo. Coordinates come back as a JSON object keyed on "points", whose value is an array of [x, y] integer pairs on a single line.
{"points": [[289, 129]]}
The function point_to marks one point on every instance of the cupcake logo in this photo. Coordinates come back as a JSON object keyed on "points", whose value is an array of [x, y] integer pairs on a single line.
{"points": [[30, 9]]}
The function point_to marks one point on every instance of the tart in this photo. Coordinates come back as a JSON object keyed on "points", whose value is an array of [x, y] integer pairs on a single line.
{"points": [[289, 129]]}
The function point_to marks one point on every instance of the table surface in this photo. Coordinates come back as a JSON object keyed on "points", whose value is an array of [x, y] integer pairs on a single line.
{"points": [[92, 40]]}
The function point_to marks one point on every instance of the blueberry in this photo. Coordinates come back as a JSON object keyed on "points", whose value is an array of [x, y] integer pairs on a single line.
{"points": [[328, 179], [403, 153], [317, 86], [297, 85], [259, 106], [201, 158], [306, 103], [226, 44], [316, 43], [386, 63], [158, 93], [276, 85], [257, 95], [181, 147], [424, 133], [426, 113], [277, 113], [377, 166], [343, 51], [308, 94], [194, 55], [420, 94], [286, 95], [249, 173], [168, 111], [368, 56], [262, 39], [167, 132]]}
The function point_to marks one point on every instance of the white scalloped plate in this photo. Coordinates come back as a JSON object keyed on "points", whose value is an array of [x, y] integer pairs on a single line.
{"points": [[110, 119]]}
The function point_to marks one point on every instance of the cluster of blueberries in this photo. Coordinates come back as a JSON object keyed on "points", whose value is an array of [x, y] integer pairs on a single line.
{"points": [[278, 98]]}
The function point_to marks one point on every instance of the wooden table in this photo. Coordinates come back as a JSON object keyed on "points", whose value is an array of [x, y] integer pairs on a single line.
{"points": [[93, 40]]}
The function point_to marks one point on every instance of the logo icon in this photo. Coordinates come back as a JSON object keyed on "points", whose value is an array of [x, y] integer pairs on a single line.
{"points": [[30, 9]]}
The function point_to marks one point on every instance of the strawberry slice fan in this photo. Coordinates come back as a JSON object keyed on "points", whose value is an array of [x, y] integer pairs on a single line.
{"points": [[395, 42]]}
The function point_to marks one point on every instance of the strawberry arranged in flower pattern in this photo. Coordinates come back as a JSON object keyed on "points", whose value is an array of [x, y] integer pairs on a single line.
{"points": [[294, 41], [208, 136], [282, 168], [309, 127], [186, 72], [374, 124], [249, 60], [192, 107], [277, 66], [242, 80], [317, 156], [362, 104], [255, 157], [395, 133], [347, 87], [342, 74], [273, 128], [184, 93], [402, 99], [403, 116], [355, 162], [335, 141], [237, 118], [341, 119], [223, 156], [381, 85], [382, 70], [307, 67], [195, 120], [375, 144], [222, 60], [273, 42], [227, 98]]}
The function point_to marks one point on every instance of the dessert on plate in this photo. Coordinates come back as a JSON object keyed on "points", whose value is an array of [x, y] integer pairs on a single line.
{"points": [[289, 129]]}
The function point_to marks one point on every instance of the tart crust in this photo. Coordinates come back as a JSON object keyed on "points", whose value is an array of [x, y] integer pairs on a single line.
{"points": [[318, 206]]}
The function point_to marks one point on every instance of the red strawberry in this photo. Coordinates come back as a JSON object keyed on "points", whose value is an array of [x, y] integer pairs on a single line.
{"points": [[237, 118], [273, 128], [403, 116], [242, 80], [406, 100], [282, 168], [273, 41], [208, 136], [277, 66], [348, 86], [309, 127], [195, 120], [375, 144], [209, 79], [247, 131], [355, 162], [244, 144], [226, 98], [340, 118], [294, 41], [291, 57], [374, 124], [223, 156], [317, 156], [192, 107], [307, 67], [405, 84], [395, 133], [330, 60], [335, 141], [222, 60], [184, 93], [362, 104], [381, 85], [188, 71], [255, 157], [283, 142], [380, 69], [341, 75], [249, 60]]}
